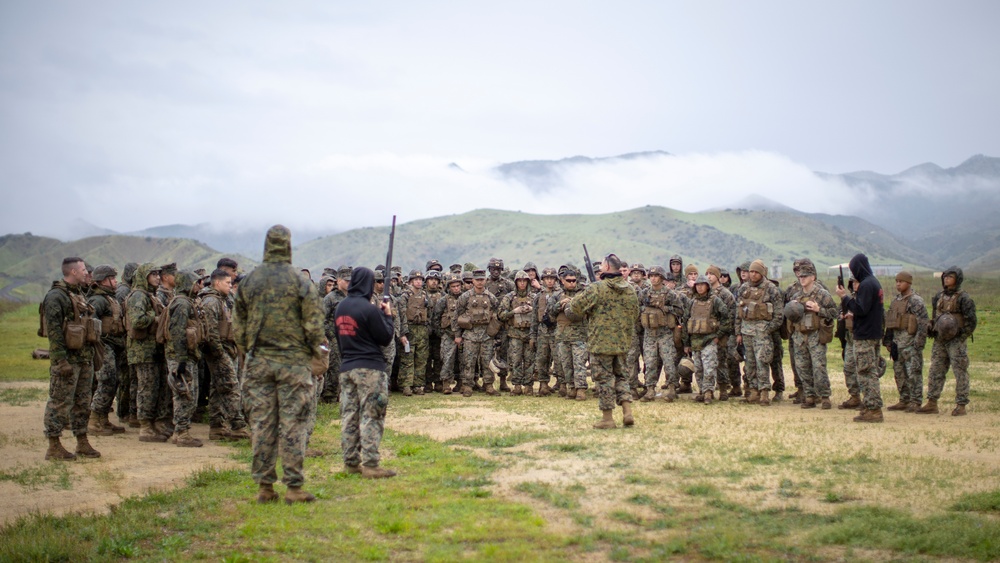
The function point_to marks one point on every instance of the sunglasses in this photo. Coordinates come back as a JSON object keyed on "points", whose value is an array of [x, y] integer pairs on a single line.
{"points": [[569, 280]]}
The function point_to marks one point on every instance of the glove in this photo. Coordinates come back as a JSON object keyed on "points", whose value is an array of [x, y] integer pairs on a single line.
{"points": [[182, 368], [63, 369]]}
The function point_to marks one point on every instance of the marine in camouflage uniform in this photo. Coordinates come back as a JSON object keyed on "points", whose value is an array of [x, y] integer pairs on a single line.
{"points": [[389, 350], [515, 312], [662, 315], [499, 285], [330, 393], [127, 384], [109, 311], [225, 403], [951, 352], [142, 310], [571, 336], [475, 309], [444, 312], [415, 304], [709, 320], [278, 319], [543, 335], [432, 287], [610, 307], [725, 379], [65, 315], [758, 316], [183, 354], [637, 279], [906, 326], [809, 336]]}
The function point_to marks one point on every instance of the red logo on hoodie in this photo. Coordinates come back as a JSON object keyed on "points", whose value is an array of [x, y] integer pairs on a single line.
{"points": [[347, 326]]}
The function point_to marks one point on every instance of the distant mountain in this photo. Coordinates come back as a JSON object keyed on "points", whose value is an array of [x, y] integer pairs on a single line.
{"points": [[543, 175]]}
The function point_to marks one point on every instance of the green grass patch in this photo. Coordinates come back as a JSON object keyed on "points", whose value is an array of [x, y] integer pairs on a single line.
{"points": [[21, 397], [500, 438], [978, 502], [565, 448], [54, 475], [18, 338], [566, 499], [701, 490]]}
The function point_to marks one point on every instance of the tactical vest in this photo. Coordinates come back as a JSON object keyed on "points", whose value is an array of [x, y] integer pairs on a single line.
{"points": [[702, 321], [520, 320], [113, 324], [565, 317], [226, 332], [194, 332], [477, 310], [948, 305], [753, 307], [151, 330], [656, 315], [450, 309], [810, 320], [79, 330], [899, 318], [416, 308]]}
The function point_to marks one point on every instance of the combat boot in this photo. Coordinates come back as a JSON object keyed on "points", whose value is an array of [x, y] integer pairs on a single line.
{"points": [[650, 395], [466, 391], [418, 390], [376, 472], [930, 407], [627, 418], [148, 434], [607, 421], [912, 407], [900, 406], [581, 394], [84, 449], [97, 427], [133, 421], [809, 403], [115, 429], [852, 402], [698, 398], [57, 452], [763, 400], [446, 388], [778, 397], [216, 433], [707, 397], [869, 415], [313, 452], [164, 428], [407, 391], [825, 405], [503, 384], [239, 434], [752, 398], [266, 494], [544, 390], [671, 394], [736, 391], [296, 494], [959, 410], [796, 395], [490, 390], [518, 390], [352, 469], [685, 388], [184, 439], [723, 392]]}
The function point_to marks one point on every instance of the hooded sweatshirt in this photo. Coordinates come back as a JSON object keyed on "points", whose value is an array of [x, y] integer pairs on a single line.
{"points": [[362, 329], [867, 303]]}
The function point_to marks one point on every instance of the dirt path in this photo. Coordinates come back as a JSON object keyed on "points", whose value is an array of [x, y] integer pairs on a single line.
{"points": [[126, 468]]}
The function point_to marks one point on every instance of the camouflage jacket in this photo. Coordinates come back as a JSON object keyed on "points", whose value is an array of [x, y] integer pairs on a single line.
{"points": [[915, 306], [278, 315], [330, 302], [965, 307], [164, 294], [719, 311], [511, 319], [828, 309], [771, 298], [478, 332], [569, 328], [121, 293], [141, 313], [611, 307], [57, 309], [217, 317], [540, 312], [100, 299], [674, 302], [182, 311], [441, 323], [499, 287]]}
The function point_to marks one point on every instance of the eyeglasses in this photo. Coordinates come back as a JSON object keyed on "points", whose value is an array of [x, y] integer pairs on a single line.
{"points": [[802, 277]]}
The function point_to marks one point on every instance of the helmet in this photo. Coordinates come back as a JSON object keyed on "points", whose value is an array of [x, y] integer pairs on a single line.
{"points": [[946, 327], [794, 311], [521, 275], [495, 263], [549, 273], [701, 279], [415, 274], [380, 275], [433, 265], [658, 271], [685, 368], [638, 267]]}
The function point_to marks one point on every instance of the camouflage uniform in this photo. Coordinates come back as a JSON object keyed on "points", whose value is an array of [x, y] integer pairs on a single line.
{"points": [[518, 325], [809, 352], [69, 395], [610, 307], [153, 400], [908, 312], [416, 306], [330, 393], [708, 321], [477, 342], [758, 316], [364, 398], [951, 353], [727, 346], [225, 402], [107, 308], [183, 352], [661, 308], [432, 370], [571, 339], [389, 350], [499, 285], [127, 384], [278, 319], [444, 312], [634, 355], [543, 335]]}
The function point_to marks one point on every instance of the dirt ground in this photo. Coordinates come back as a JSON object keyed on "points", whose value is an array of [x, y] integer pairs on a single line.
{"points": [[126, 467]]}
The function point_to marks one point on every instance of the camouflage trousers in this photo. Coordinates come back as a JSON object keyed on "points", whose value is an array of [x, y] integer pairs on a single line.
{"points": [[706, 366], [573, 356], [796, 380], [809, 359], [69, 400], [184, 390], [449, 355], [908, 371], [330, 391], [866, 358], [659, 353], [225, 403], [477, 356], [518, 361], [152, 400], [364, 397], [414, 362], [281, 399], [850, 368], [733, 363], [501, 342], [611, 380], [777, 365], [632, 358], [106, 381], [547, 357], [955, 355], [760, 353], [127, 387]]}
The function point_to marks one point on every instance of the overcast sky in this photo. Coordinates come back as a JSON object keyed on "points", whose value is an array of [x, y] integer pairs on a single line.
{"points": [[135, 114]]}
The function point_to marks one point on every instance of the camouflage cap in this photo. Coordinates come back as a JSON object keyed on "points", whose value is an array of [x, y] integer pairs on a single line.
{"points": [[469, 266], [563, 269], [168, 269], [380, 275], [495, 263], [398, 270], [200, 272], [453, 278], [549, 273], [806, 269], [467, 276], [455, 268], [658, 271], [744, 267], [479, 274], [433, 265], [675, 258], [344, 272], [902, 276], [638, 267], [723, 272], [104, 271]]}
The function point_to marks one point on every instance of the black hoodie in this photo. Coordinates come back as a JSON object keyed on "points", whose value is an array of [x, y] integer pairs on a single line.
{"points": [[867, 303], [362, 329]]}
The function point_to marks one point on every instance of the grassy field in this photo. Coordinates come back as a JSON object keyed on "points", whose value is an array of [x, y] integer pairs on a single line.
{"points": [[526, 479]]}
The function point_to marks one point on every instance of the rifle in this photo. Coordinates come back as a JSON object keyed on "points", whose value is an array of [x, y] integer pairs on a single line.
{"points": [[840, 278], [386, 287], [590, 265]]}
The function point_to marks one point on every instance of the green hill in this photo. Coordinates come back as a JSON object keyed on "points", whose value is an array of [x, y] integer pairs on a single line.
{"points": [[29, 264], [649, 235]]}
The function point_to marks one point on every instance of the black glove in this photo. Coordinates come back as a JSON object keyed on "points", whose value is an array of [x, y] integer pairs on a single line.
{"points": [[894, 352], [182, 368]]}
